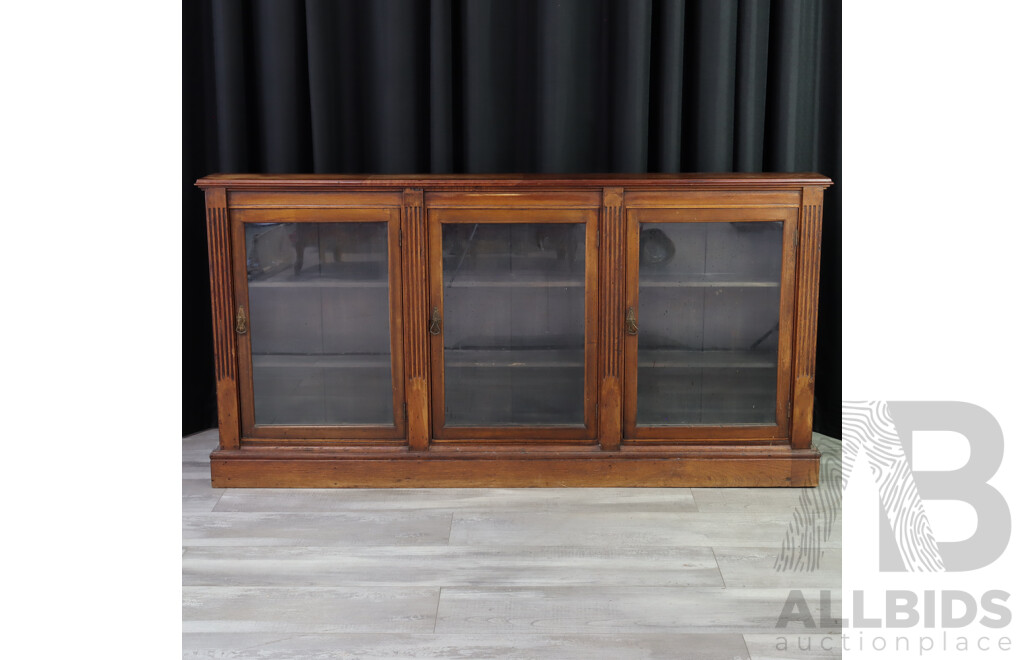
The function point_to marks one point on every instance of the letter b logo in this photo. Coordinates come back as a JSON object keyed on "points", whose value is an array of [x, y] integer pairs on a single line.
{"points": [[883, 431]]}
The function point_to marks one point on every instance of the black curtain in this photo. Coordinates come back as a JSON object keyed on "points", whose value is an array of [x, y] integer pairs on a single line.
{"points": [[418, 86]]}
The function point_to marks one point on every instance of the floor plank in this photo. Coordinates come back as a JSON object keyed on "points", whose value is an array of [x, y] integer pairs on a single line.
{"points": [[793, 646], [616, 609], [450, 566], [661, 646], [198, 469], [826, 498], [387, 528], [755, 567], [198, 497], [458, 499], [623, 529], [307, 610], [493, 573], [827, 445], [207, 440]]}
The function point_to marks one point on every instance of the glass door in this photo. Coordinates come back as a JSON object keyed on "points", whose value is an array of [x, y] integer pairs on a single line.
{"points": [[512, 297], [318, 322], [708, 322]]}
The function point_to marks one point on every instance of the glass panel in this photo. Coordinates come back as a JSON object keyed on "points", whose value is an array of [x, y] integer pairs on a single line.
{"points": [[514, 324], [707, 350], [319, 323]]}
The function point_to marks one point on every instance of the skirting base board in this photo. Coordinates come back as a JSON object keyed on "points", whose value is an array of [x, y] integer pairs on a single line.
{"points": [[700, 467]]}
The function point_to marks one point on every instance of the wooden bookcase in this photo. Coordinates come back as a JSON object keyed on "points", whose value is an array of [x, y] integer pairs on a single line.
{"points": [[514, 330]]}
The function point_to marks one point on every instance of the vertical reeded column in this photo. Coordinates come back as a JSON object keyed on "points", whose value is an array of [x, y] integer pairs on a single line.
{"points": [[222, 297], [808, 260], [414, 292], [611, 261]]}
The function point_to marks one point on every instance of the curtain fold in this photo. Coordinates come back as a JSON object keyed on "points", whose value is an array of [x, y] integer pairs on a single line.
{"points": [[517, 85], [752, 32], [441, 145], [666, 123], [410, 86], [713, 94]]}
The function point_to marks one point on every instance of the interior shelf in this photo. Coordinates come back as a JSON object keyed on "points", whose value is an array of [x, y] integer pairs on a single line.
{"points": [[657, 358], [352, 273], [512, 280], [283, 360], [501, 271], [319, 283], [525, 357], [689, 359], [712, 280]]}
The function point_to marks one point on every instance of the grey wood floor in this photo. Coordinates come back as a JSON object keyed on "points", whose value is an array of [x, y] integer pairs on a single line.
{"points": [[500, 573]]}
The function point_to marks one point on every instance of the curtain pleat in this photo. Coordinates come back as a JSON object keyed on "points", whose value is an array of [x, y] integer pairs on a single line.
{"points": [[517, 85], [333, 107], [232, 134], [714, 92], [630, 52], [752, 32], [665, 138], [282, 86], [394, 87], [441, 145], [792, 103], [567, 91], [412, 86]]}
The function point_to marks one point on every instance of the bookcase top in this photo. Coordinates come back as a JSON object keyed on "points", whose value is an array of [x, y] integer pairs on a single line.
{"points": [[696, 180]]}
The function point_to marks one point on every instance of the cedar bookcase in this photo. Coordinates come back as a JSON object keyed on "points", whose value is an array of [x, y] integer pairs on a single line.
{"points": [[514, 330]]}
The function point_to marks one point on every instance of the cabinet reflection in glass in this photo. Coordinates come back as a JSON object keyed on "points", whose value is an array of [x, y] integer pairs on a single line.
{"points": [[318, 308], [514, 319]]}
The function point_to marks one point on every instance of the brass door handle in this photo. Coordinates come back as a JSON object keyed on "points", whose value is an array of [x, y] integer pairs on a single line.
{"points": [[631, 326], [435, 323], [241, 322]]}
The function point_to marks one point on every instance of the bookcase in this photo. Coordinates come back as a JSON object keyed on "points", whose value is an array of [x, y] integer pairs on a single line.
{"points": [[514, 330]]}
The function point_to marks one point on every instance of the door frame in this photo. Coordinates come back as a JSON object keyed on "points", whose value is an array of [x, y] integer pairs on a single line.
{"points": [[321, 434], [769, 433], [534, 211]]}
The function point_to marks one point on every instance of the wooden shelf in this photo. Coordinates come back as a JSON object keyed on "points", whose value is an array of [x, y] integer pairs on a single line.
{"points": [[659, 358], [675, 358], [509, 281], [353, 273], [320, 284], [711, 281], [289, 361], [518, 271], [526, 357]]}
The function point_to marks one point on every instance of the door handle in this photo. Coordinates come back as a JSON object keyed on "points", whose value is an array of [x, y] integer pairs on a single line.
{"points": [[241, 322], [631, 326], [435, 323]]}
